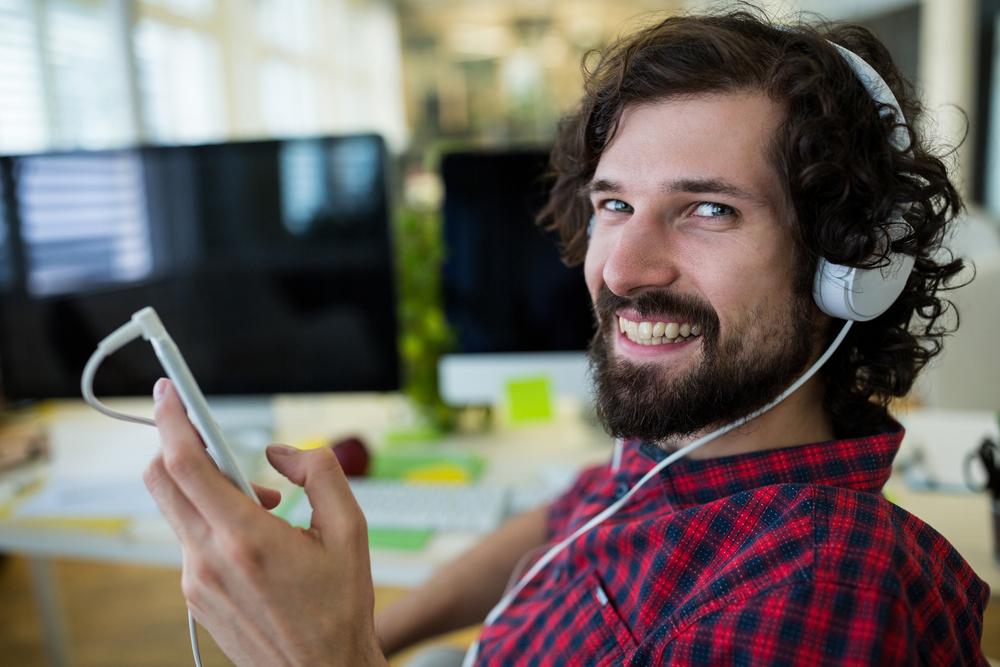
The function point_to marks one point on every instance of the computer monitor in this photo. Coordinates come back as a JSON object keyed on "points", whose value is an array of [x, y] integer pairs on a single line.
{"points": [[516, 309], [269, 262]]}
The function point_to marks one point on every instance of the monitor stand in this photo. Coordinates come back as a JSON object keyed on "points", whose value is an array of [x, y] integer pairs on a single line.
{"points": [[481, 379]]}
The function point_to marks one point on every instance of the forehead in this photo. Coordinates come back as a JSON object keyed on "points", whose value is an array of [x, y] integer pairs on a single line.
{"points": [[720, 136]]}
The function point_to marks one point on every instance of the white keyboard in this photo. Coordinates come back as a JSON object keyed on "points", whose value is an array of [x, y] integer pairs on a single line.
{"points": [[445, 507]]}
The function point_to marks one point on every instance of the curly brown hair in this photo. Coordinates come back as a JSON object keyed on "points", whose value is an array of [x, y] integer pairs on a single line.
{"points": [[843, 178]]}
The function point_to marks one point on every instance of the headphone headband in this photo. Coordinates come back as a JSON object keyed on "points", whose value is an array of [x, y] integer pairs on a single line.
{"points": [[852, 293], [880, 93]]}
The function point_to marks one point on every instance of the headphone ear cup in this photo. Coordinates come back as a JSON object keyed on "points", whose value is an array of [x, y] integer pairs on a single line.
{"points": [[851, 293]]}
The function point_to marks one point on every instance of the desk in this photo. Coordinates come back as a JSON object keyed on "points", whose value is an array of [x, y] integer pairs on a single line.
{"points": [[513, 454]]}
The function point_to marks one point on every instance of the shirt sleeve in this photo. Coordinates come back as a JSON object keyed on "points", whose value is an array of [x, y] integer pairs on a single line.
{"points": [[811, 624]]}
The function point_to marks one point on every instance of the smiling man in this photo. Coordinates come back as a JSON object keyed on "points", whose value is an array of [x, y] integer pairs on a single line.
{"points": [[690, 269], [709, 166], [712, 164]]}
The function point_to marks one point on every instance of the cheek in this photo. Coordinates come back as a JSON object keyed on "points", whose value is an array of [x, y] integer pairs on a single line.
{"points": [[738, 283], [754, 292]]}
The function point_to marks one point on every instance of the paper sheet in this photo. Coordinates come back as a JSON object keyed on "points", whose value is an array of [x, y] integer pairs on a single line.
{"points": [[96, 470]]}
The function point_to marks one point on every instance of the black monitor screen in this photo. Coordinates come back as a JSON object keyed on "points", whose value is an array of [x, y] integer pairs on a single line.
{"points": [[269, 262], [505, 287]]}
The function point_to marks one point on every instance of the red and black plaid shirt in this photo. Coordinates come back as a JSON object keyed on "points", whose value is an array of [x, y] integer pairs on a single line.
{"points": [[782, 557]]}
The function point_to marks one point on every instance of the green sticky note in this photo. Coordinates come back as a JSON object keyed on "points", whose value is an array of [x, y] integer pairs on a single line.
{"points": [[295, 510], [399, 539], [529, 399]]}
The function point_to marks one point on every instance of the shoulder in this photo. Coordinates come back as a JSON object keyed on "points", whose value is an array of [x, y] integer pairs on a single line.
{"points": [[855, 540], [865, 543], [843, 536], [816, 570], [862, 539]]}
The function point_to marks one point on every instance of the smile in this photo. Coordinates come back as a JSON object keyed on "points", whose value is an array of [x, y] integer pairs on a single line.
{"points": [[657, 333]]}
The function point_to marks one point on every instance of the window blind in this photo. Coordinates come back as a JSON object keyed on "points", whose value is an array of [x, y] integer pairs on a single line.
{"points": [[22, 99], [85, 74], [180, 82]]}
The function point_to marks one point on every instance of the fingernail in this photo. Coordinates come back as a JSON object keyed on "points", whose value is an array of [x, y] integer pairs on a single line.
{"points": [[282, 450], [159, 389]]}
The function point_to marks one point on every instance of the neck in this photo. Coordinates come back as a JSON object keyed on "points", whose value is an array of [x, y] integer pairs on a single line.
{"points": [[798, 420]]}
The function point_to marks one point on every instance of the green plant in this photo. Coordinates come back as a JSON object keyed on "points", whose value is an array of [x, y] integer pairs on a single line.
{"points": [[424, 332]]}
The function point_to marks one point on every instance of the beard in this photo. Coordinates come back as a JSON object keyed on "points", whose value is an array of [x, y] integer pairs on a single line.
{"points": [[759, 357]]}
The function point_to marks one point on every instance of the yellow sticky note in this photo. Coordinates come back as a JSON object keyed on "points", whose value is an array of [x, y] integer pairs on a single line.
{"points": [[312, 443], [438, 474], [103, 526], [529, 399]]}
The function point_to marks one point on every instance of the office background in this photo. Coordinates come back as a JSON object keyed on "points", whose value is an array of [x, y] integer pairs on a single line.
{"points": [[105, 73], [428, 76]]}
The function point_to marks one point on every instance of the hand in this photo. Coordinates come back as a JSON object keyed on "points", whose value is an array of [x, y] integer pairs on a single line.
{"points": [[269, 593]]}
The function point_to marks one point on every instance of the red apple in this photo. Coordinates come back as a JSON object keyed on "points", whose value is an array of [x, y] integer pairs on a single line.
{"points": [[353, 456]]}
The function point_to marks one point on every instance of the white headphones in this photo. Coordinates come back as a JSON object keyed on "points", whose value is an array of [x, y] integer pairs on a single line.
{"points": [[849, 292]]}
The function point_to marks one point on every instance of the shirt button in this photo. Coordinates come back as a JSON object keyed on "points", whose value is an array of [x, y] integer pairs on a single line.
{"points": [[621, 489]]}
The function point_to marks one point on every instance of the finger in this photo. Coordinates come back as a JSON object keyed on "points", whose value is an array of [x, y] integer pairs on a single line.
{"points": [[269, 498], [182, 516], [187, 463], [335, 511]]}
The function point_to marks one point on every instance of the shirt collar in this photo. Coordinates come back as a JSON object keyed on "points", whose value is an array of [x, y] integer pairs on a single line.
{"points": [[861, 464]]}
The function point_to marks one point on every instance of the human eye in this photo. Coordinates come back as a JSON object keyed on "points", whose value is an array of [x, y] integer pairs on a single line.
{"points": [[708, 209], [615, 206]]}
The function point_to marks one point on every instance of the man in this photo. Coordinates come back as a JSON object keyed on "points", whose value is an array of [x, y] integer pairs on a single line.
{"points": [[711, 162]]}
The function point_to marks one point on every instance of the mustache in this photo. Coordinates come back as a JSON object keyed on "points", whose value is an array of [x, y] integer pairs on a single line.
{"points": [[689, 308]]}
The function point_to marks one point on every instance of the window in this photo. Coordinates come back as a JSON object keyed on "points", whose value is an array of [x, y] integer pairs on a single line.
{"points": [[287, 99], [180, 83], [22, 114], [85, 74], [110, 73]]}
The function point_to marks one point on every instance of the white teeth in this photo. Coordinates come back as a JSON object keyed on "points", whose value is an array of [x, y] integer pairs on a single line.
{"points": [[657, 333]]}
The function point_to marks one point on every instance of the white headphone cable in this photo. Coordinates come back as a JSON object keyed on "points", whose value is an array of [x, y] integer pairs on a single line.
{"points": [[130, 331], [118, 338], [611, 509]]}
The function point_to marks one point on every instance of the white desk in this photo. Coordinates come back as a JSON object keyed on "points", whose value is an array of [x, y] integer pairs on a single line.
{"points": [[514, 455]]}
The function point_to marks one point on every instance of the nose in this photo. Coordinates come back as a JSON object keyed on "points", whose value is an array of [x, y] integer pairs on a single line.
{"points": [[640, 256]]}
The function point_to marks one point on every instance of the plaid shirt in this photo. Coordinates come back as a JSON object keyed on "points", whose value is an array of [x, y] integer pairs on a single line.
{"points": [[782, 557]]}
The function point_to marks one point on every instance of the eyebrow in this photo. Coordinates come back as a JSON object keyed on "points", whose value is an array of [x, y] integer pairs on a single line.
{"points": [[685, 185]]}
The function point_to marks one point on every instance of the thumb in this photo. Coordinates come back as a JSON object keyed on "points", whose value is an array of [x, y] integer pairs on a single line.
{"points": [[335, 511]]}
